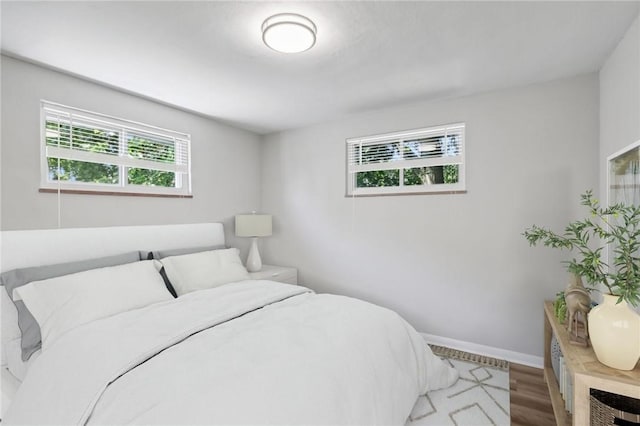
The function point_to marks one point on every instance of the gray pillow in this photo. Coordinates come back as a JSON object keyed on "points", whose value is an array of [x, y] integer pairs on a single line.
{"points": [[159, 254], [31, 339]]}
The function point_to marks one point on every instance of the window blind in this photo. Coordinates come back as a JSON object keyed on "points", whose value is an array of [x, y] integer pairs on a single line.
{"points": [[78, 135]]}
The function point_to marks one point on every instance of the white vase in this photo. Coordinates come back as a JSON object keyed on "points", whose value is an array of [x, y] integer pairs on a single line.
{"points": [[614, 330]]}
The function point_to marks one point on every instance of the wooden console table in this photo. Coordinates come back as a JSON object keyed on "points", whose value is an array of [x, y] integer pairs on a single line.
{"points": [[586, 372]]}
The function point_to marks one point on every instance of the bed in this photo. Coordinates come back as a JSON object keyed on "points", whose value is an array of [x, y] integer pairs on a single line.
{"points": [[115, 346]]}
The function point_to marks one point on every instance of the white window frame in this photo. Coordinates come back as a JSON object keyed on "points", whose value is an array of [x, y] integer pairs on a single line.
{"points": [[182, 171], [401, 137]]}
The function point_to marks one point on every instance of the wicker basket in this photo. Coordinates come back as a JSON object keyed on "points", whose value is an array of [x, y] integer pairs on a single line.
{"points": [[611, 409]]}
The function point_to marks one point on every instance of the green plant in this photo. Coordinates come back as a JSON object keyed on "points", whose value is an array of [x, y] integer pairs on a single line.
{"points": [[560, 307], [617, 226]]}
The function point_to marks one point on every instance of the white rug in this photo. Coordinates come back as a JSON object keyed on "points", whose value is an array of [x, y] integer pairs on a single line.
{"points": [[480, 397]]}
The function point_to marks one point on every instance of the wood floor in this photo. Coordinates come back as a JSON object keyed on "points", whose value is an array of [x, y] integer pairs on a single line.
{"points": [[530, 401]]}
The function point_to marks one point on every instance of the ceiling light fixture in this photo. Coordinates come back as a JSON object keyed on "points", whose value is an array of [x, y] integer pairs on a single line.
{"points": [[289, 33]]}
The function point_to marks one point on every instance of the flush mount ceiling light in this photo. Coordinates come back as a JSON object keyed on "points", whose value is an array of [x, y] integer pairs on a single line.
{"points": [[289, 33]]}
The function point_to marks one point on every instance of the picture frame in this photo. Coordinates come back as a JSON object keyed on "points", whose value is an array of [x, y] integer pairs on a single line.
{"points": [[623, 180], [623, 176]]}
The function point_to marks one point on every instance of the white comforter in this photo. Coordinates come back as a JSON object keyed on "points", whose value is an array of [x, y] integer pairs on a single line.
{"points": [[254, 352]]}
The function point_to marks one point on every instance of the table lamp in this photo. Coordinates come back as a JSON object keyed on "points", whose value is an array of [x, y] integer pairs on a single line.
{"points": [[254, 226]]}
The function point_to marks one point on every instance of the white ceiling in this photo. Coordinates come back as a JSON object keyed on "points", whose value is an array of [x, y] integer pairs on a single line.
{"points": [[208, 57]]}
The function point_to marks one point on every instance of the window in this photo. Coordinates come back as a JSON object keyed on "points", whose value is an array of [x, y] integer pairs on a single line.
{"points": [[429, 160], [87, 151]]}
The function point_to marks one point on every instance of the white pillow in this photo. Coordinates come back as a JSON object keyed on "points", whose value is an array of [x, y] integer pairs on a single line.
{"points": [[207, 269], [64, 303]]}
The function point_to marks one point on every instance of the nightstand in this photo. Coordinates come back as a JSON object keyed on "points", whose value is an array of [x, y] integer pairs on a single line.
{"points": [[281, 274]]}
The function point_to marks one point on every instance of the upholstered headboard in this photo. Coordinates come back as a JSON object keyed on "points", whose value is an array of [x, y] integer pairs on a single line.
{"points": [[19, 249]]}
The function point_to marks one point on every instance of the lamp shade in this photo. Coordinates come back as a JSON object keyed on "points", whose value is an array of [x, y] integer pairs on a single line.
{"points": [[253, 225]]}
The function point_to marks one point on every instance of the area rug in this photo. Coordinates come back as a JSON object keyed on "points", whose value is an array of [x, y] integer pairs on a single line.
{"points": [[480, 397]]}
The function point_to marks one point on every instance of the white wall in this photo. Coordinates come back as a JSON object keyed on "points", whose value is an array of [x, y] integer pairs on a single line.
{"points": [[225, 160], [620, 98], [452, 265]]}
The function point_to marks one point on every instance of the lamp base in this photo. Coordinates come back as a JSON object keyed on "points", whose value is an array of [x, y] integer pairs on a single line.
{"points": [[254, 263]]}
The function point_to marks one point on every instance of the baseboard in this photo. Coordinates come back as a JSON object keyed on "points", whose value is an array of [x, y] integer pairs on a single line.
{"points": [[511, 356]]}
